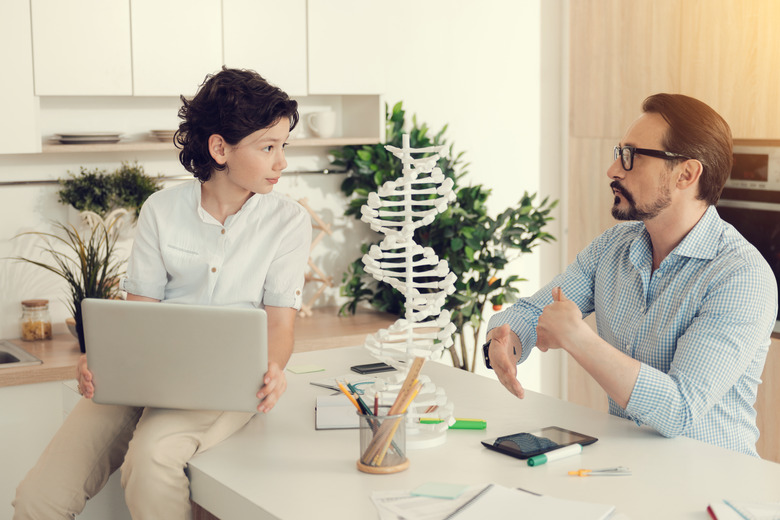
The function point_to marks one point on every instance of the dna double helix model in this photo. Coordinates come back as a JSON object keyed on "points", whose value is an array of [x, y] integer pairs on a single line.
{"points": [[397, 209]]}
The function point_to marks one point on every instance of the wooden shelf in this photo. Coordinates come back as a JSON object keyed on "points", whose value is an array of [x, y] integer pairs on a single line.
{"points": [[154, 146]]}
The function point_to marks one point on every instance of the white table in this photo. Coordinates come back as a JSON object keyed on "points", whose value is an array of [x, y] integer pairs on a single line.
{"points": [[279, 466]]}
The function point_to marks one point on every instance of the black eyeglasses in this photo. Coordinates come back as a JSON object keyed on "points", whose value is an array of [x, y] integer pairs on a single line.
{"points": [[626, 155]]}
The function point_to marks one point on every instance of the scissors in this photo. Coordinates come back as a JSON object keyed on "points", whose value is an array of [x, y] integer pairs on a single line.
{"points": [[604, 472]]}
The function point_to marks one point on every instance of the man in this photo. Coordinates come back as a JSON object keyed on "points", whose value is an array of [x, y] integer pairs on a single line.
{"points": [[684, 304]]}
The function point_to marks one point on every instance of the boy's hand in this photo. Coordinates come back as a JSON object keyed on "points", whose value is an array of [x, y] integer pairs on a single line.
{"points": [[274, 385], [84, 378], [504, 352]]}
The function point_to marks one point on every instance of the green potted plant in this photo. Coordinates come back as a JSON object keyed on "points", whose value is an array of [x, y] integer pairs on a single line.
{"points": [[86, 262], [476, 246], [101, 193]]}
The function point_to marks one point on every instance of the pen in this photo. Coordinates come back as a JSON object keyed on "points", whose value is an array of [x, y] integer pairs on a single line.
{"points": [[604, 472], [560, 453], [361, 404]]}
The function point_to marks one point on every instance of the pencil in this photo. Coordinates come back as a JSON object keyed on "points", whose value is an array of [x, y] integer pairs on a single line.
{"points": [[383, 451], [384, 435], [349, 396], [365, 410], [407, 385]]}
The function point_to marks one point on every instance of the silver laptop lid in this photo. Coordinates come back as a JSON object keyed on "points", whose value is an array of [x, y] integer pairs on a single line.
{"points": [[172, 355]]}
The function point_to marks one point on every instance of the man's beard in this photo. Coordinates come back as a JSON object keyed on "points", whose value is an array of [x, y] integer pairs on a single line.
{"points": [[635, 213]]}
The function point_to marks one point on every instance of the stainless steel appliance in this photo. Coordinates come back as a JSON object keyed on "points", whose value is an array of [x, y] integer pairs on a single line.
{"points": [[751, 201]]}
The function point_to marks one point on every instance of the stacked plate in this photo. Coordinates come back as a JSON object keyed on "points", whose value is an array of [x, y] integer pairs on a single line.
{"points": [[163, 135], [88, 137]]}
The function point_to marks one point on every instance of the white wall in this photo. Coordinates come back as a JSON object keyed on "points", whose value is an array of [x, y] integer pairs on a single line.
{"points": [[478, 67], [475, 66]]}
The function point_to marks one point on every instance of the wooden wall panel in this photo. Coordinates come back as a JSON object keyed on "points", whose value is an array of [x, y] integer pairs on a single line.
{"points": [[589, 198], [768, 405], [620, 53], [731, 56]]}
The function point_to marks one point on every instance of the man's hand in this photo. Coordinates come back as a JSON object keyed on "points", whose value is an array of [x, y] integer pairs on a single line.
{"points": [[274, 385], [560, 324], [504, 352], [84, 377]]}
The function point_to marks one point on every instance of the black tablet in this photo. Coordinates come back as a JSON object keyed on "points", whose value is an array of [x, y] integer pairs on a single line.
{"points": [[529, 444]]}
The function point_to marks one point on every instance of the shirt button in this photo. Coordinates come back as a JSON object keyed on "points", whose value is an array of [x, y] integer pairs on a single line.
{"points": [[223, 231], [213, 269]]}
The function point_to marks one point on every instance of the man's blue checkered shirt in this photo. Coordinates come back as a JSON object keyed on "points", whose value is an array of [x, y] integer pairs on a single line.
{"points": [[700, 325]]}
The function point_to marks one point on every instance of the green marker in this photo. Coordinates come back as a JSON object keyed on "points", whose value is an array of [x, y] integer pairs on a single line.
{"points": [[560, 453], [460, 424]]}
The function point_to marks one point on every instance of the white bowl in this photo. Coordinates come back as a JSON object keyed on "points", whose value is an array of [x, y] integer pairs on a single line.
{"points": [[71, 323]]}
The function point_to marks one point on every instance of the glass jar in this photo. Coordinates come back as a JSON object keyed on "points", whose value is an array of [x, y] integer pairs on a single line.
{"points": [[35, 322]]}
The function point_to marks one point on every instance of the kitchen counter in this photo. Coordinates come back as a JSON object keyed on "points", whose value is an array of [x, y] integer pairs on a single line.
{"points": [[324, 329], [59, 356]]}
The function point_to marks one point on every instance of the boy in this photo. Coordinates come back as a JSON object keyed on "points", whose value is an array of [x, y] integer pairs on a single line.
{"points": [[224, 239]]}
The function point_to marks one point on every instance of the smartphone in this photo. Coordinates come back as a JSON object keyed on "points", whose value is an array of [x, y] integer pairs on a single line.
{"points": [[371, 368], [529, 444]]}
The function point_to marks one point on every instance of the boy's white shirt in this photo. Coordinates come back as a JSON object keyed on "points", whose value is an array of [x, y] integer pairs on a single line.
{"points": [[182, 254]]}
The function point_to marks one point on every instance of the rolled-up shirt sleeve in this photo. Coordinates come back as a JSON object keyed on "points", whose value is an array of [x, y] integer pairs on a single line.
{"points": [[284, 284], [576, 282], [146, 273]]}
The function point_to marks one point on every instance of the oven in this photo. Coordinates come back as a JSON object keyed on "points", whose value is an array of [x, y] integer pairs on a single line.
{"points": [[751, 202]]}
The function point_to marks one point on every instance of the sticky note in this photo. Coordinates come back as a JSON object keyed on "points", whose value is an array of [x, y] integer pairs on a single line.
{"points": [[305, 369], [439, 490]]}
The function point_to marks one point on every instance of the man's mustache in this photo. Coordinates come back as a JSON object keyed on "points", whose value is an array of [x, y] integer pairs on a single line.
{"points": [[615, 185]]}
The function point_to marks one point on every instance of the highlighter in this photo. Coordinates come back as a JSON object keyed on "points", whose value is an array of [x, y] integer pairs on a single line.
{"points": [[560, 453], [459, 424]]}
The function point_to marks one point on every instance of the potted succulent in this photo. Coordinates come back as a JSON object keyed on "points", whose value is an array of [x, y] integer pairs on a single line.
{"points": [[86, 262], [477, 246]]}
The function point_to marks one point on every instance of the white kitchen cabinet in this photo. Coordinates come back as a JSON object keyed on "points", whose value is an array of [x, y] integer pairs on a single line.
{"points": [[270, 37], [20, 132], [347, 46], [30, 416], [175, 44], [81, 47]]}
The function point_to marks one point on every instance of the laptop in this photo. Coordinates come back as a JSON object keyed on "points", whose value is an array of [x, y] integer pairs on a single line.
{"points": [[171, 355]]}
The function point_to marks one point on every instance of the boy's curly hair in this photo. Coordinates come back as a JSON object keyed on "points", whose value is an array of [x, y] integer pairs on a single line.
{"points": [[232, 103]]}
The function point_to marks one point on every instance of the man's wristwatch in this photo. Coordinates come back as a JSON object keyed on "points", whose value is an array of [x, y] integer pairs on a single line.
{"points": [[485, 349]]}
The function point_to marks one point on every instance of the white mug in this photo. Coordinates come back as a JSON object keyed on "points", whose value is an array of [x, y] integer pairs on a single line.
{"points": [[322, 124]]}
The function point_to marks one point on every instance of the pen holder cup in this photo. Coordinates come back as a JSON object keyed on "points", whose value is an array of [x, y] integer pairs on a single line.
{"points": [[382, 443]]}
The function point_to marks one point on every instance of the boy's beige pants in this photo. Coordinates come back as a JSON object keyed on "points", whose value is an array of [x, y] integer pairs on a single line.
{"points": [[151, 445]]}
